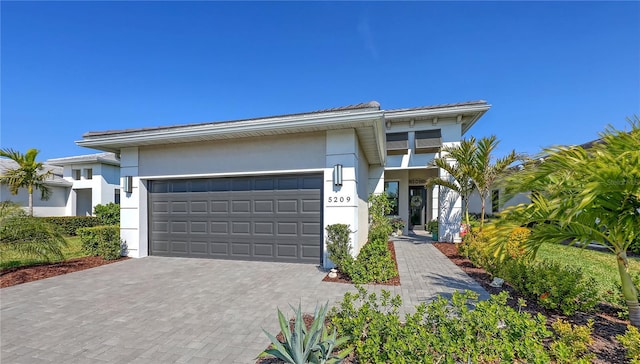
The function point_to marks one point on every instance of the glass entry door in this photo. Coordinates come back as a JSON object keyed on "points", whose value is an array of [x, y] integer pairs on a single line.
{"points": [[417, 207]]}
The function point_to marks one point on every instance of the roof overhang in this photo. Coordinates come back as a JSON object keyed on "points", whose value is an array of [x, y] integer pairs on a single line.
{"points": [[368, 123], [466, 114]]}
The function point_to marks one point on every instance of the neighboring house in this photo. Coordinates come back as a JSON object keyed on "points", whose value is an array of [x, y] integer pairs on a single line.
{"points": [[59, 187], [78, 184], [495, 202], [266, 188], [95, 180]]}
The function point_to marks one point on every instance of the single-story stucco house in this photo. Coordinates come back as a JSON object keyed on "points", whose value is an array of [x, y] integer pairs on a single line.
{"points": [[77, 185], [266, 188]]}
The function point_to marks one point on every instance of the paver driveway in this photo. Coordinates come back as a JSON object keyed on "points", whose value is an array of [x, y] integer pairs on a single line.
{"points": [[165, 310]]}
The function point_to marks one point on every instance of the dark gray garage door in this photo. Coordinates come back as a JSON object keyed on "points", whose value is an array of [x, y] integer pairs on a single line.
{"points": [[275, 218]]}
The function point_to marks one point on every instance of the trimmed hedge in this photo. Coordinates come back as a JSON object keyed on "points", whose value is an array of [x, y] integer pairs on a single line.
{"points": [[68, 225], [102, 241]]}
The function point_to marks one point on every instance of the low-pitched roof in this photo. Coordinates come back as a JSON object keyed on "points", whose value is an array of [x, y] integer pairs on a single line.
{"points": [[105, 158], [366, 118], [55, 180]]}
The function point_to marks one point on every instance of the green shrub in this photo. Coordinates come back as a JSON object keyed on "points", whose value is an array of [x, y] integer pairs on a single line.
{"points": [[68, 225], [552, 285], [516, 243], [108, 214], [379, 208], [374, 263], [631, 341], [339, 245], [28, 236], [102, 241], [572, 343], [442, 331], [432, 226]]}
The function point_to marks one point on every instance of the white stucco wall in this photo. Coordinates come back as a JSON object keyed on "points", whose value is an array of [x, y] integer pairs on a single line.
{"points": [[363, 200], [105, 179], [301, 153], [54, 206], [342, 148], [270, 153], [475, 206]]}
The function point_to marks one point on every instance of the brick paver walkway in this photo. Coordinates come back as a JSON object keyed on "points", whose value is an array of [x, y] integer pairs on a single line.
{"points": [[173, 310]]}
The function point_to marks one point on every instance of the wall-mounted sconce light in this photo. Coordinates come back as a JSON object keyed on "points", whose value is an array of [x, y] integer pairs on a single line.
{"points": [[337, 175], [127, 184]]}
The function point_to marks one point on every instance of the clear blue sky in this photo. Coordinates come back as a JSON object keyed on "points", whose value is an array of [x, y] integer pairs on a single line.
{"points": [[555, 72]]}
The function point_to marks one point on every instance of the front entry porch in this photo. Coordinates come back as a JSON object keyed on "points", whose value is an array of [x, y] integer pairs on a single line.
{"points": [[412, 201]]}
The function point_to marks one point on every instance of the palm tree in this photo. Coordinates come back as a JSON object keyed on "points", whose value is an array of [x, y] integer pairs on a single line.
{"points": [[29, 174], [584, 196], [485, 173], [462, 183]]}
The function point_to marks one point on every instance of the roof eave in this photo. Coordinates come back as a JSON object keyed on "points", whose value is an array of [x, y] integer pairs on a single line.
{"points": [[286, 125]]}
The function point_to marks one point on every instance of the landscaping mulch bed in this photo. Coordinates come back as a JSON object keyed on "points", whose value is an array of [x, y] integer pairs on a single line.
{"points": [[606, 322], [395, 281], [12, 276]]}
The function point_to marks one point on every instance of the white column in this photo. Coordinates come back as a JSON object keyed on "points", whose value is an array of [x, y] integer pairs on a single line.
{"points": [[133, 211], [341, 202], [450, 212]]}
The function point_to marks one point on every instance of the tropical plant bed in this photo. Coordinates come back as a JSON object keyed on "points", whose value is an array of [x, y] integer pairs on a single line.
{"points": [[395, 281], [308, 321], [12, 276], [606, 322]]}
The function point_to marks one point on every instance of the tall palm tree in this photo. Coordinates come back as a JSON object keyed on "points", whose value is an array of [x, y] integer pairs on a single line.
{"points": [[29, 174], [461, 171], [584, 196], [485, 172]]}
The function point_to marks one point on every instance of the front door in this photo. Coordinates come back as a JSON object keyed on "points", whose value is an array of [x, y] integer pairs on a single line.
{"points": [[417, 210]]}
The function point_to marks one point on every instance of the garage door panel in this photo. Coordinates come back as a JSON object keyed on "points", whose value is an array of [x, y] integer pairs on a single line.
{"points": [[219, 248], [198, 207], [178, 227], [310, 251], [178, 207], [198, 227], [240, 249], [272, 218], [179, 247], [263, 250], [199, 248], [219, 207], [263, 228], [287, 251], [287, 228], [263, 207], [311, 206], [220, 227], [241, 227], [311, 228], [240, 207]]}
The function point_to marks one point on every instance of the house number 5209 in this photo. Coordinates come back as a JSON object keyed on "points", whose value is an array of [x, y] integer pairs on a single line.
{"points": [[338, 199]]}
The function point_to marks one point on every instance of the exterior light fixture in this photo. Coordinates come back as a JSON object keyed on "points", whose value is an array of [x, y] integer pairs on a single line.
{"points": [[337, 175], [127, 184]]}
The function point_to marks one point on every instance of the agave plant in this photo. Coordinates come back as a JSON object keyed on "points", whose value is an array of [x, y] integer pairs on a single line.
{"points": [[302, 346]]}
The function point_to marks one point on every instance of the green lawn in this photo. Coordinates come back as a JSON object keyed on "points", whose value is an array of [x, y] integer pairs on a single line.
{"points": [[73, 250], [600, 265]]}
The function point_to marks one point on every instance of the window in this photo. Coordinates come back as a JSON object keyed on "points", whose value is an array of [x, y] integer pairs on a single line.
{"points": [[495, 200], [397, 143], [116, 196], [428, 141], [88, 173], [75, 173], [391, 189]]}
